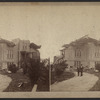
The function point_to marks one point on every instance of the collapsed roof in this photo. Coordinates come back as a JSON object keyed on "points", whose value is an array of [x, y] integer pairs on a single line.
{"points": [[34, 46], [9, 43], [82, 41]]}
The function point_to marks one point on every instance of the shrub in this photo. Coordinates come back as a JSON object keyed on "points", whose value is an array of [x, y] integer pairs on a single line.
{"points": [[24, 66], [97, 67], [60, 68], [33, 70], [43, 81], [12, 68], [37, 73]]}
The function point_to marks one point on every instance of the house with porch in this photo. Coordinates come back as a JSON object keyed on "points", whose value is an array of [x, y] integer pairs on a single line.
{"points": [[85, 50]]}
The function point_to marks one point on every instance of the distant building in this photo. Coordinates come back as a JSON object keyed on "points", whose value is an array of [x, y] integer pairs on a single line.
{"points": [[84, 51]]}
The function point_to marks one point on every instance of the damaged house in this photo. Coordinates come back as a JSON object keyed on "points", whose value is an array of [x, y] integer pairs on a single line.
{"points": [[84, 51], [12, 52]]}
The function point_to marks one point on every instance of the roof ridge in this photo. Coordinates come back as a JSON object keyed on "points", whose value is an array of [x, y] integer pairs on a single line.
{"points": [[84, 39]]}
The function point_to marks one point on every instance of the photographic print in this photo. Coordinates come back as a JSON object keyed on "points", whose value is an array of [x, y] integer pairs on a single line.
{"points": [[49, 49]]}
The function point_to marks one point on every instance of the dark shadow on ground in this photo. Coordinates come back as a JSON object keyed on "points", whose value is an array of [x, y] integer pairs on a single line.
{"points": [[96, 87], [16, 79]]}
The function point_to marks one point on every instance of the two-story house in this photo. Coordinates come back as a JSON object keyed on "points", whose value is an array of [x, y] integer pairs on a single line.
{"points": [[23, 49], [84, 51]]}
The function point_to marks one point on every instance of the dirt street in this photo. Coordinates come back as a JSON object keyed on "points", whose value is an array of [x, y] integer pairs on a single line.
{"points": [[75, 84]]}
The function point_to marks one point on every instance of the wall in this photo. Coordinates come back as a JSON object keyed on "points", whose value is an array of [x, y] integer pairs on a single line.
{"points": [[94, 54], [21, 45], [87, 57], [24, 45], [71, 58], [5, 58], [16, 54]]}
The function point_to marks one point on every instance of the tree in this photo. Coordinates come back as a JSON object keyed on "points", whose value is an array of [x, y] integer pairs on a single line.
{"points": [[13, 68], [43, 81], [33, 70], [60, 68]]}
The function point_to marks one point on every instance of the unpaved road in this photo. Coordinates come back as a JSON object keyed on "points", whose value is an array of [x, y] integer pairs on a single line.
{"points": [[4, 82], [77, 83]]}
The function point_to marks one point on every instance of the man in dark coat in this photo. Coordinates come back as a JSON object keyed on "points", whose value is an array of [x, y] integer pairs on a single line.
{"points": [[80, 70]]}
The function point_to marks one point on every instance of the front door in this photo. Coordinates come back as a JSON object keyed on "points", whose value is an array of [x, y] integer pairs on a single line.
{"points": [[77, 63]]}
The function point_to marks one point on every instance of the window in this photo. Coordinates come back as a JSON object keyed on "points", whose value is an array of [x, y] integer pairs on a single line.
{"points": [[8, 63], [12, 54], [9, 54], [97, 62], [97, 52], [24, 46], [34, 54], [77, 53], [77, 63]]}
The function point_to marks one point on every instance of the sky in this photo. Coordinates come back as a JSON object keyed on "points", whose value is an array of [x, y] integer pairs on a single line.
{"points": [[49, 25]]}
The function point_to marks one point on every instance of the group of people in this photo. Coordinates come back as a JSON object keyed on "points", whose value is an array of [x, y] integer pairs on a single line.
{"points": [[80, 70]]}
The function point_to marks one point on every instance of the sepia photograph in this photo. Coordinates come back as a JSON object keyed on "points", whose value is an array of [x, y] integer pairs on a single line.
{"points": [[22, 67], [49, 49], [77, 67]]}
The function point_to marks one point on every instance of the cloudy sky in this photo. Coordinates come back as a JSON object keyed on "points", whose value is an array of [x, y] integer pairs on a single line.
{"points": [[49, 25]]}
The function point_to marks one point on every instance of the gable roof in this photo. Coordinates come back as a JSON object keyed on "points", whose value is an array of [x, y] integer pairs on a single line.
{"points": [[81, 41], [9, 43]]}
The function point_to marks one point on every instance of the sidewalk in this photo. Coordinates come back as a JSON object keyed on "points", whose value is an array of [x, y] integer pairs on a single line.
{"points": [[34, 88]]}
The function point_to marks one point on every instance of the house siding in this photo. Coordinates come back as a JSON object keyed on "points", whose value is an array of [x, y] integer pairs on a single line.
{"points": [[4, 60]]}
